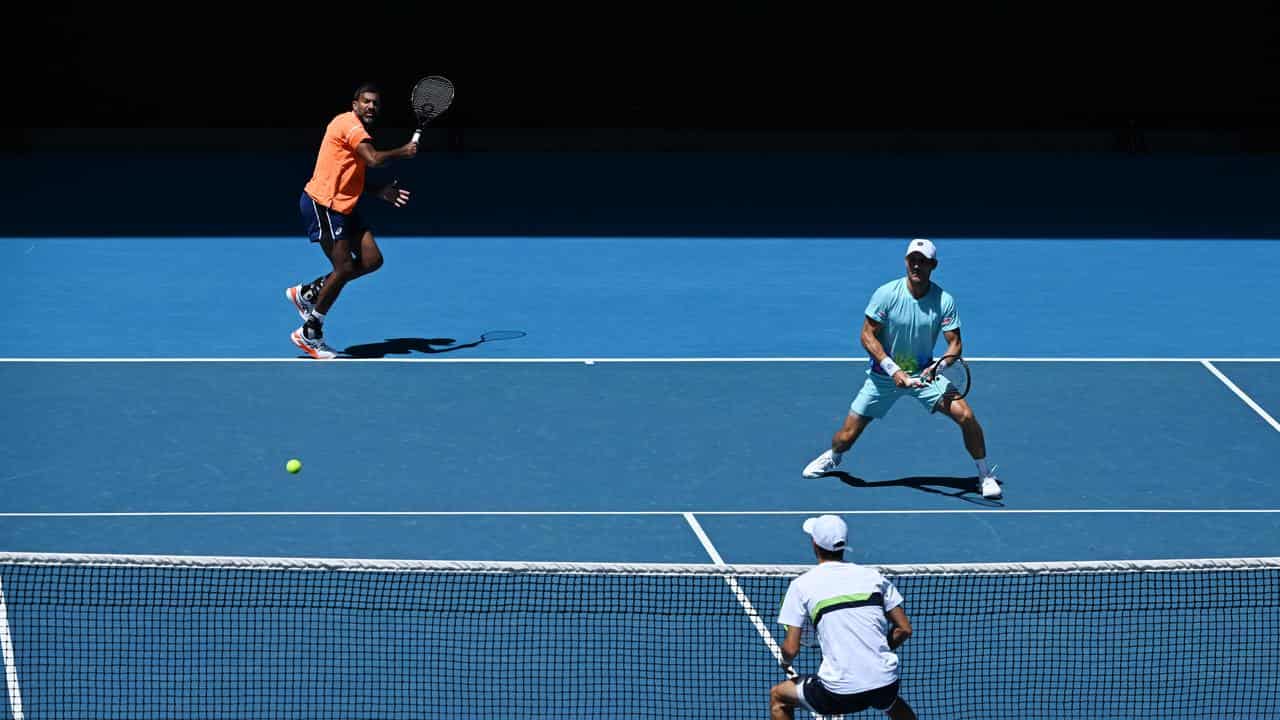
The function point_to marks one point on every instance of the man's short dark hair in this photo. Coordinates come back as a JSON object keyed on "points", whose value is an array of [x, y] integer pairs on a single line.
{"points": [[830, 554], [365, 87]]}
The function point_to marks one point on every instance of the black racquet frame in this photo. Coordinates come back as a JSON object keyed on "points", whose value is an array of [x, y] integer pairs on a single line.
{"points": [[956, 362], [430, 98]]}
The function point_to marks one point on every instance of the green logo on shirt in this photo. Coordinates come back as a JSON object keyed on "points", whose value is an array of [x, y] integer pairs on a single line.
{"points": [[907, 363]]}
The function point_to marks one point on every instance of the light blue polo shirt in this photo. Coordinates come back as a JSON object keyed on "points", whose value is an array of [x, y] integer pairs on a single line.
{"points": [[909, 327]]}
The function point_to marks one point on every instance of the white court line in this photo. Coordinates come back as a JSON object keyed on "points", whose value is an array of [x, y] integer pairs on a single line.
{"points": [[10, 664], [637, 513], [433, 359], [702, 538], [1242, 395], [736, 589]]}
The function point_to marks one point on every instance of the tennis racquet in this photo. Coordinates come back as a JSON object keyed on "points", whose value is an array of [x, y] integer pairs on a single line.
{"points": [[431, 96], [954, 369]]}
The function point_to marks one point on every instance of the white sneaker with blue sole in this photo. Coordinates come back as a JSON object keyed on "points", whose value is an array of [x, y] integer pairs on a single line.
{"points": [[821, 465], [991, 486]]}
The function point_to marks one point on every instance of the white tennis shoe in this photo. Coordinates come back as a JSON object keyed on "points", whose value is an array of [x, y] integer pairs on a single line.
{"points": [[315, 347], [991, 487], [301, 303], [821, 465]]}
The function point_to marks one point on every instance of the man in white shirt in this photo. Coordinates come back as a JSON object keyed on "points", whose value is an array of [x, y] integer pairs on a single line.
{"points": [[858, 617]]}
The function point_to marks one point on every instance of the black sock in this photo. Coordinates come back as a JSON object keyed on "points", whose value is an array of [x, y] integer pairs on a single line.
{"points": [[312, 329]]}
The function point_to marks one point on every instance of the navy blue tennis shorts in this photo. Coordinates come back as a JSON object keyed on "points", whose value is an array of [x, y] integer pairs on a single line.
{"points": [[818, 699], [324, 225]]}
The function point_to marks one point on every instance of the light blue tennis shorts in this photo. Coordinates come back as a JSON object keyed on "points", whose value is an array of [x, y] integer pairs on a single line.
{"points": [[879, 393]]}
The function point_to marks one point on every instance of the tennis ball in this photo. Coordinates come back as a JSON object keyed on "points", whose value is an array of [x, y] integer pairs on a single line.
{"points": [[293, 466]]}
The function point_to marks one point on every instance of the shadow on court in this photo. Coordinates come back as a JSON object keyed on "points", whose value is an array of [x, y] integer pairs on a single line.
{"points": [[405, 346], [425, 346], [961, 488]]}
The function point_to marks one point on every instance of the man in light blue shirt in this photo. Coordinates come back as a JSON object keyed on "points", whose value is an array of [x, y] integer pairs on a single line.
{"points": [[899, 331]]}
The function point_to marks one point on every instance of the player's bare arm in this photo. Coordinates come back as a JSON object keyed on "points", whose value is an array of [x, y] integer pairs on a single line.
{"points": [[901, 627], [954, 347], [378, 158], [790, 645], [869, 340], [954, 344], [872, 344]]}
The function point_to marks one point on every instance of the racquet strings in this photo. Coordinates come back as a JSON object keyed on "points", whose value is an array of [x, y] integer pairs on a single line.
{"points": [[958, 375], [431, 96]]}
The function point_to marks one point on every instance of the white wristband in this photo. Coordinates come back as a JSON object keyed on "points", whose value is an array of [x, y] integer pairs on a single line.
{"points": [[889, 367]]}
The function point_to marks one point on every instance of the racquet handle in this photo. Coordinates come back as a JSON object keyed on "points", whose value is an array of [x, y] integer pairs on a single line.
{"points": [[416, 135]]}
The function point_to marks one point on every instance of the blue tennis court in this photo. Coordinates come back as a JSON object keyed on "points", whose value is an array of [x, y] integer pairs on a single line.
{"points": [[658, 409], [1122, 411]]}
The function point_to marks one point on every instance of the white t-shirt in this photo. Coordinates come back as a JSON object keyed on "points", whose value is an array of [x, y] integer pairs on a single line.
{"points": [[846, 604]]}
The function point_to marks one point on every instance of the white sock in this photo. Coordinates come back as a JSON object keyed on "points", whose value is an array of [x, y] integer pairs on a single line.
{"points": [[318, 317], [982, 468], [836, 455]]}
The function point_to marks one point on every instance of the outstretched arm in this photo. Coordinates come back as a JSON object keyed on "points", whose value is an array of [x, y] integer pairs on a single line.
{"points": [[378, 158]]}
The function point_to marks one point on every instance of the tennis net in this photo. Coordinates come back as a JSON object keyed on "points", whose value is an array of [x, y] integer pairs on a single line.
{"points": [[144, 637]]}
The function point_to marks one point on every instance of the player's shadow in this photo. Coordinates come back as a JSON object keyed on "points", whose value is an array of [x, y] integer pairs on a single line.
{"points": [[405, 346], [425, 346], [961, 488]]}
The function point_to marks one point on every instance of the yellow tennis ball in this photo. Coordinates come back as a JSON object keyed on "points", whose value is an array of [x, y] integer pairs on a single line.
{"points": [[293, 466]]}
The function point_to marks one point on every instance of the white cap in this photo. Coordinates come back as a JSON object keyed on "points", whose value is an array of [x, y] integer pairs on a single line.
{"points": [[924, 247], [828, 532]]}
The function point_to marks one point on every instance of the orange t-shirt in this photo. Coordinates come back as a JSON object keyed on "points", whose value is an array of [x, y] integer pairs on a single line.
{"points": [[338, 178]]}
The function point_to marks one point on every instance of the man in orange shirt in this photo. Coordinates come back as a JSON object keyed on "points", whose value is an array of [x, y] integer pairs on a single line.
{"points": [[328, 207]]}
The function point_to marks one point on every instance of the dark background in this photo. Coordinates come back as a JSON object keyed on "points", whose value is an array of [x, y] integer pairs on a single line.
{"points": [[997, 118]]}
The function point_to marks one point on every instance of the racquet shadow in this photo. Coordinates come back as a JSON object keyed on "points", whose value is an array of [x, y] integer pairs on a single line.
{"points": [[961, 488]]}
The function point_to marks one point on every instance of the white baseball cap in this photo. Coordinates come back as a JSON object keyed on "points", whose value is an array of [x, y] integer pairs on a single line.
{"points": [[828, 532], [924, 247]]}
